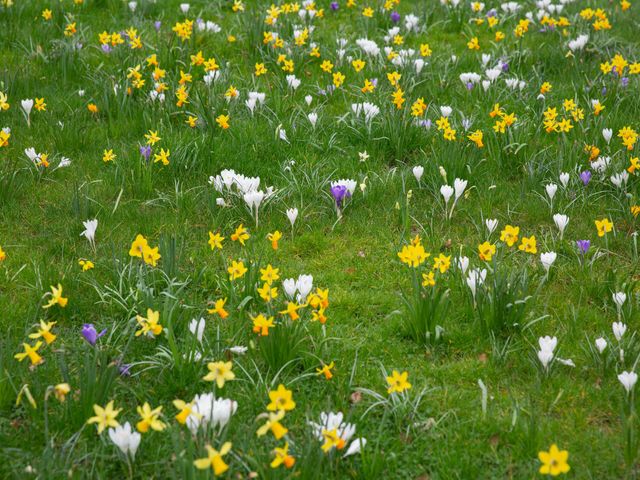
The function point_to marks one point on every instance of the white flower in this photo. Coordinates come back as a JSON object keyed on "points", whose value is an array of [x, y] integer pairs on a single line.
{"points": [[561, 222], [290, 287], [304, 285], [551, 190], [607, 133], [308, 99], [619, 329], [601, 344], [292, 215], [548, 343], [446, 111], [418, 171], [459, 185], [184, 7], [578, 43], [133, 6], [446, 191], [27, 105], [208, 410], [628, 380], [90, 227], [545, 357], [238, 350], [125, 439], [547, 259], [491, 224], [313, 119], [197, 328], [293, 81], [564, 179], [356, 446], [463, 264], [619, 298], [475, 278]]}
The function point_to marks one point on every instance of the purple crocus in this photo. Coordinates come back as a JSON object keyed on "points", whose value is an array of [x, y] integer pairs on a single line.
{"points": [[604, 91], [585, 177], [334, 6], [145, 151], [583, 246], [624, 81], [90, 333], [339, 193], [469, 85], [395, 17], [157, 24], [125, 369], [106, 48], [505, 66]]}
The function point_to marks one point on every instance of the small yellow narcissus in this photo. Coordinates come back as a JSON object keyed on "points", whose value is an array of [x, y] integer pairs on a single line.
{"points": [[262, 324], [554, 462], [44, 331], [219, 372], [510, 235], [3, 255], [273, 424], [108, 156], [60, 391], [236, 270], [56, 297], [215, 240], [486, 251], [326, 370], [31, 352], [604, 226], [274, 238], [398, 382], [240, 235], [218, 308], [149, 325], [281, 399], [214, 459], [150, 418], [282, 457], [105, 417]]}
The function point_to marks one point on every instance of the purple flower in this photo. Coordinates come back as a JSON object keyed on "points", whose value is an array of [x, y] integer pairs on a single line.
{"points": [[374, 82], [469, 85], [492, 13], [583, 246], [505, 66], [335, 6], [425, 123], [624, 81], [395, 17], [125, 369], [90, 333], [157, 24], [604, 91], [339, 193], [585, 177], [145, 151], [106, 48]]}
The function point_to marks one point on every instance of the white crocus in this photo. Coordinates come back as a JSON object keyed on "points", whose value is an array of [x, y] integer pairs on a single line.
{"points": [[125, 439], [89, 232], [491, 224], [601, 344], [561, 222], [628, 380], [547, 259], [197, 328], [418, 171], [607, 133], [27, 105], [619, 330]]}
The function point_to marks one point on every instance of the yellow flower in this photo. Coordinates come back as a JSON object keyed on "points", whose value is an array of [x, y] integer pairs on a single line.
{"points": [[326, 370], [528, 245], [358, 64], [282, 457], [138, 246], [510, 235], [56, 298], [218, 308], [163, 157], [393, 78], [60, 391], [332, 440], [269, 274], [186, 409], [398, 382], [40, 105], [240, 235], [105, 417], [44, 332], [150, 324], [150, 419], [108, 156], [93, 108], [262, 324], [326, 66], [442, 263], [473, 44], [603, 226], [398, 98], [214, 459], [236, 270], [486, 251], [3, 256], [281, 399], [418, 108], [215, 240], [428, 279], [291, 310], [86, 265], [46, 14], [31, 352], [273, 424], [554, 462], [476, 137], [152, 137], [223, 121], [150, 256], [338, 79], [274, 238], [260, 69], [413, 255], [219, 372]]}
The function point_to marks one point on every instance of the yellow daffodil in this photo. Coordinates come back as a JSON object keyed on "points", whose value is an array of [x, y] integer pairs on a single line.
{"points": [[281, 399], [219, 372], [104, 417], [398, 382], [214, 459], [554, 462], [150, 418]]}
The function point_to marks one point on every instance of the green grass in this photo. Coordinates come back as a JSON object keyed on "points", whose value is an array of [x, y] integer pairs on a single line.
{"points": [[442, 432]]}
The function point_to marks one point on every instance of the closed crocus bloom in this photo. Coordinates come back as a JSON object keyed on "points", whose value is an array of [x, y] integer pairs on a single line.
{"points": [[548, 343], [619, 298], [564, 179], [547, 259], [628, 380], [313, 118], [27, 105], [601, 344], [545, 357], [619, 330], [290, 287], [125, 439], [561, 222], [418, 171], [607, 133], [356, 447], [292, 215], [446, 191], [197, 328], [446, 111], [551, 189], [304, 284], [491, 224], [459, 186], [463, 264], [89, 232]]}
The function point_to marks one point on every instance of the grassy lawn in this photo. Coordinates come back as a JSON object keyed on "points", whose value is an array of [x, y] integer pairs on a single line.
{"points": [[154, 118]]}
